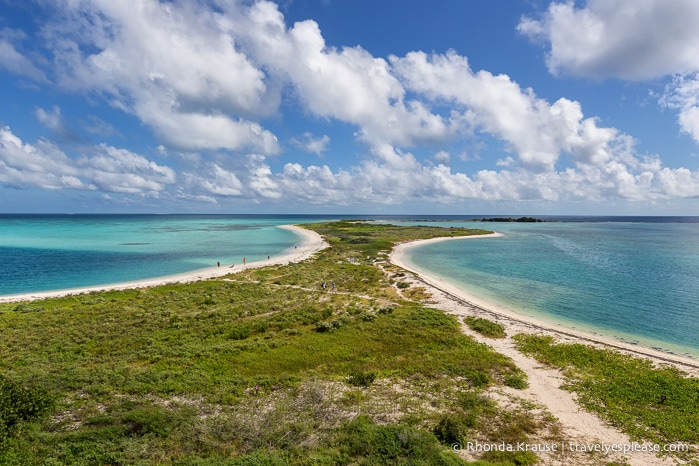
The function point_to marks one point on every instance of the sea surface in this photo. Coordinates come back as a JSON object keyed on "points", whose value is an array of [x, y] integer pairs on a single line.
{"points": [[632, 278], [55, 252]]}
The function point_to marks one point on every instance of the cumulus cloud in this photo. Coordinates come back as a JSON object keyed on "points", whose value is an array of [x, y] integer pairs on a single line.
{"points": [[536, 131], [206, 79], [107, 168], [347, 84], [627, 39], [173, 65], [683, 94]]}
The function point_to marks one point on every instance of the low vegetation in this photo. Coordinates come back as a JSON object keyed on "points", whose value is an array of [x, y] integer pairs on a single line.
{"points": [[261, 367], [269, 367], [485, 327], [658, 405]]}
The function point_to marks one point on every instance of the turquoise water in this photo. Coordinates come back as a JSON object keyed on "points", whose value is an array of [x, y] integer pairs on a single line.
{"points": [[42, 253], [638, 282]]}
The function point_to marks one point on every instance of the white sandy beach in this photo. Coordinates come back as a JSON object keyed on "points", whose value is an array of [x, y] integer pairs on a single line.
{"points": [[545, 383], [513, 319], [310, 243]]}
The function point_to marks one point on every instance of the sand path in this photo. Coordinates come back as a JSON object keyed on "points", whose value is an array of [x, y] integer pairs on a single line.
{"points": [[579, 426]]}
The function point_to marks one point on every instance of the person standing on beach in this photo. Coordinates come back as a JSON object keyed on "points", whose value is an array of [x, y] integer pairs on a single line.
{"points": [[244, 261]]}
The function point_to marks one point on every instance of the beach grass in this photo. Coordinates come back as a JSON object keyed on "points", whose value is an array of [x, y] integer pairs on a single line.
{"points": [[261, 367], [268, 366], [650, 403], [485, 327]]}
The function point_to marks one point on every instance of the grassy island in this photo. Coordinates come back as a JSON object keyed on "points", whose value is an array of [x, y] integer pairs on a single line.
{"points": [[334, 360]]}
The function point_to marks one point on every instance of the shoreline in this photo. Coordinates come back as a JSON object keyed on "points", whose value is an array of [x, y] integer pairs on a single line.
{"points": [[310, 243], [464, 303]]}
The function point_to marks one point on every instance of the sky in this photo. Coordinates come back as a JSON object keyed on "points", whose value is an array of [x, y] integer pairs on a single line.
{"points": [[461, 107]]}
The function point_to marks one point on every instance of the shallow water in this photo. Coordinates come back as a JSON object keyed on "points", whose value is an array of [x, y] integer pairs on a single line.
{"points": [[42, 253], [635, 281]]}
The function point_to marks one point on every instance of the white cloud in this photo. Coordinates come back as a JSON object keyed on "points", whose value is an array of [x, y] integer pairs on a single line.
{"points": [[107, 168], [51, 119], [349, 84], [683, 95], [309, 143], [442, 157], [15, 61], [627, 39], [536, 131], [173, 65], [205, 79]]}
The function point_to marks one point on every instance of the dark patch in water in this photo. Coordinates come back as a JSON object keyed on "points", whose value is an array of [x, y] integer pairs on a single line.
{"points": [[133, 244]]}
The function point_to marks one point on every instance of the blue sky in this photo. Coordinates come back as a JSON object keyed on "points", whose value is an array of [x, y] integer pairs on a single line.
{"points": [[329, 106]]}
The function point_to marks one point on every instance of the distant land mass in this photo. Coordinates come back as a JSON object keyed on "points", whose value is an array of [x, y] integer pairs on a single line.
{"points": [[510, 219]]}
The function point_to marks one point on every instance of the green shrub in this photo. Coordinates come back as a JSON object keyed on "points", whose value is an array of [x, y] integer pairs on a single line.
{"points": [[365, 443], [361, 379], [478, 379], [452, 428], [517, 458], [18, 404], [485, 327], [517, 381]]}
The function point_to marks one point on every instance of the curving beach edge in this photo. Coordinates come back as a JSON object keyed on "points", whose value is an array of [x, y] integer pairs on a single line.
{"points": [[461, 303], [546, 384], [310, 243]]}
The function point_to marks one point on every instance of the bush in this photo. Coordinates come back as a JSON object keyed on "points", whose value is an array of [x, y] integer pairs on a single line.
{"points": [[361, 379], [485, 327], [18, 404], [516, 381], [478, 378], [519, 458], [452, 428], [363, 442]]}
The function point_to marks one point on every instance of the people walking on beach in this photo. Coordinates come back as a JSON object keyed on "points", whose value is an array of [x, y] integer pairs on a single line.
{"points": [[244, 261], [218, 264], [324, 286]]}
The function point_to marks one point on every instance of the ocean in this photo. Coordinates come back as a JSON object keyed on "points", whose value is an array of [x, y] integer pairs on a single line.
{"points": [[55, 252], [631, 278]]}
